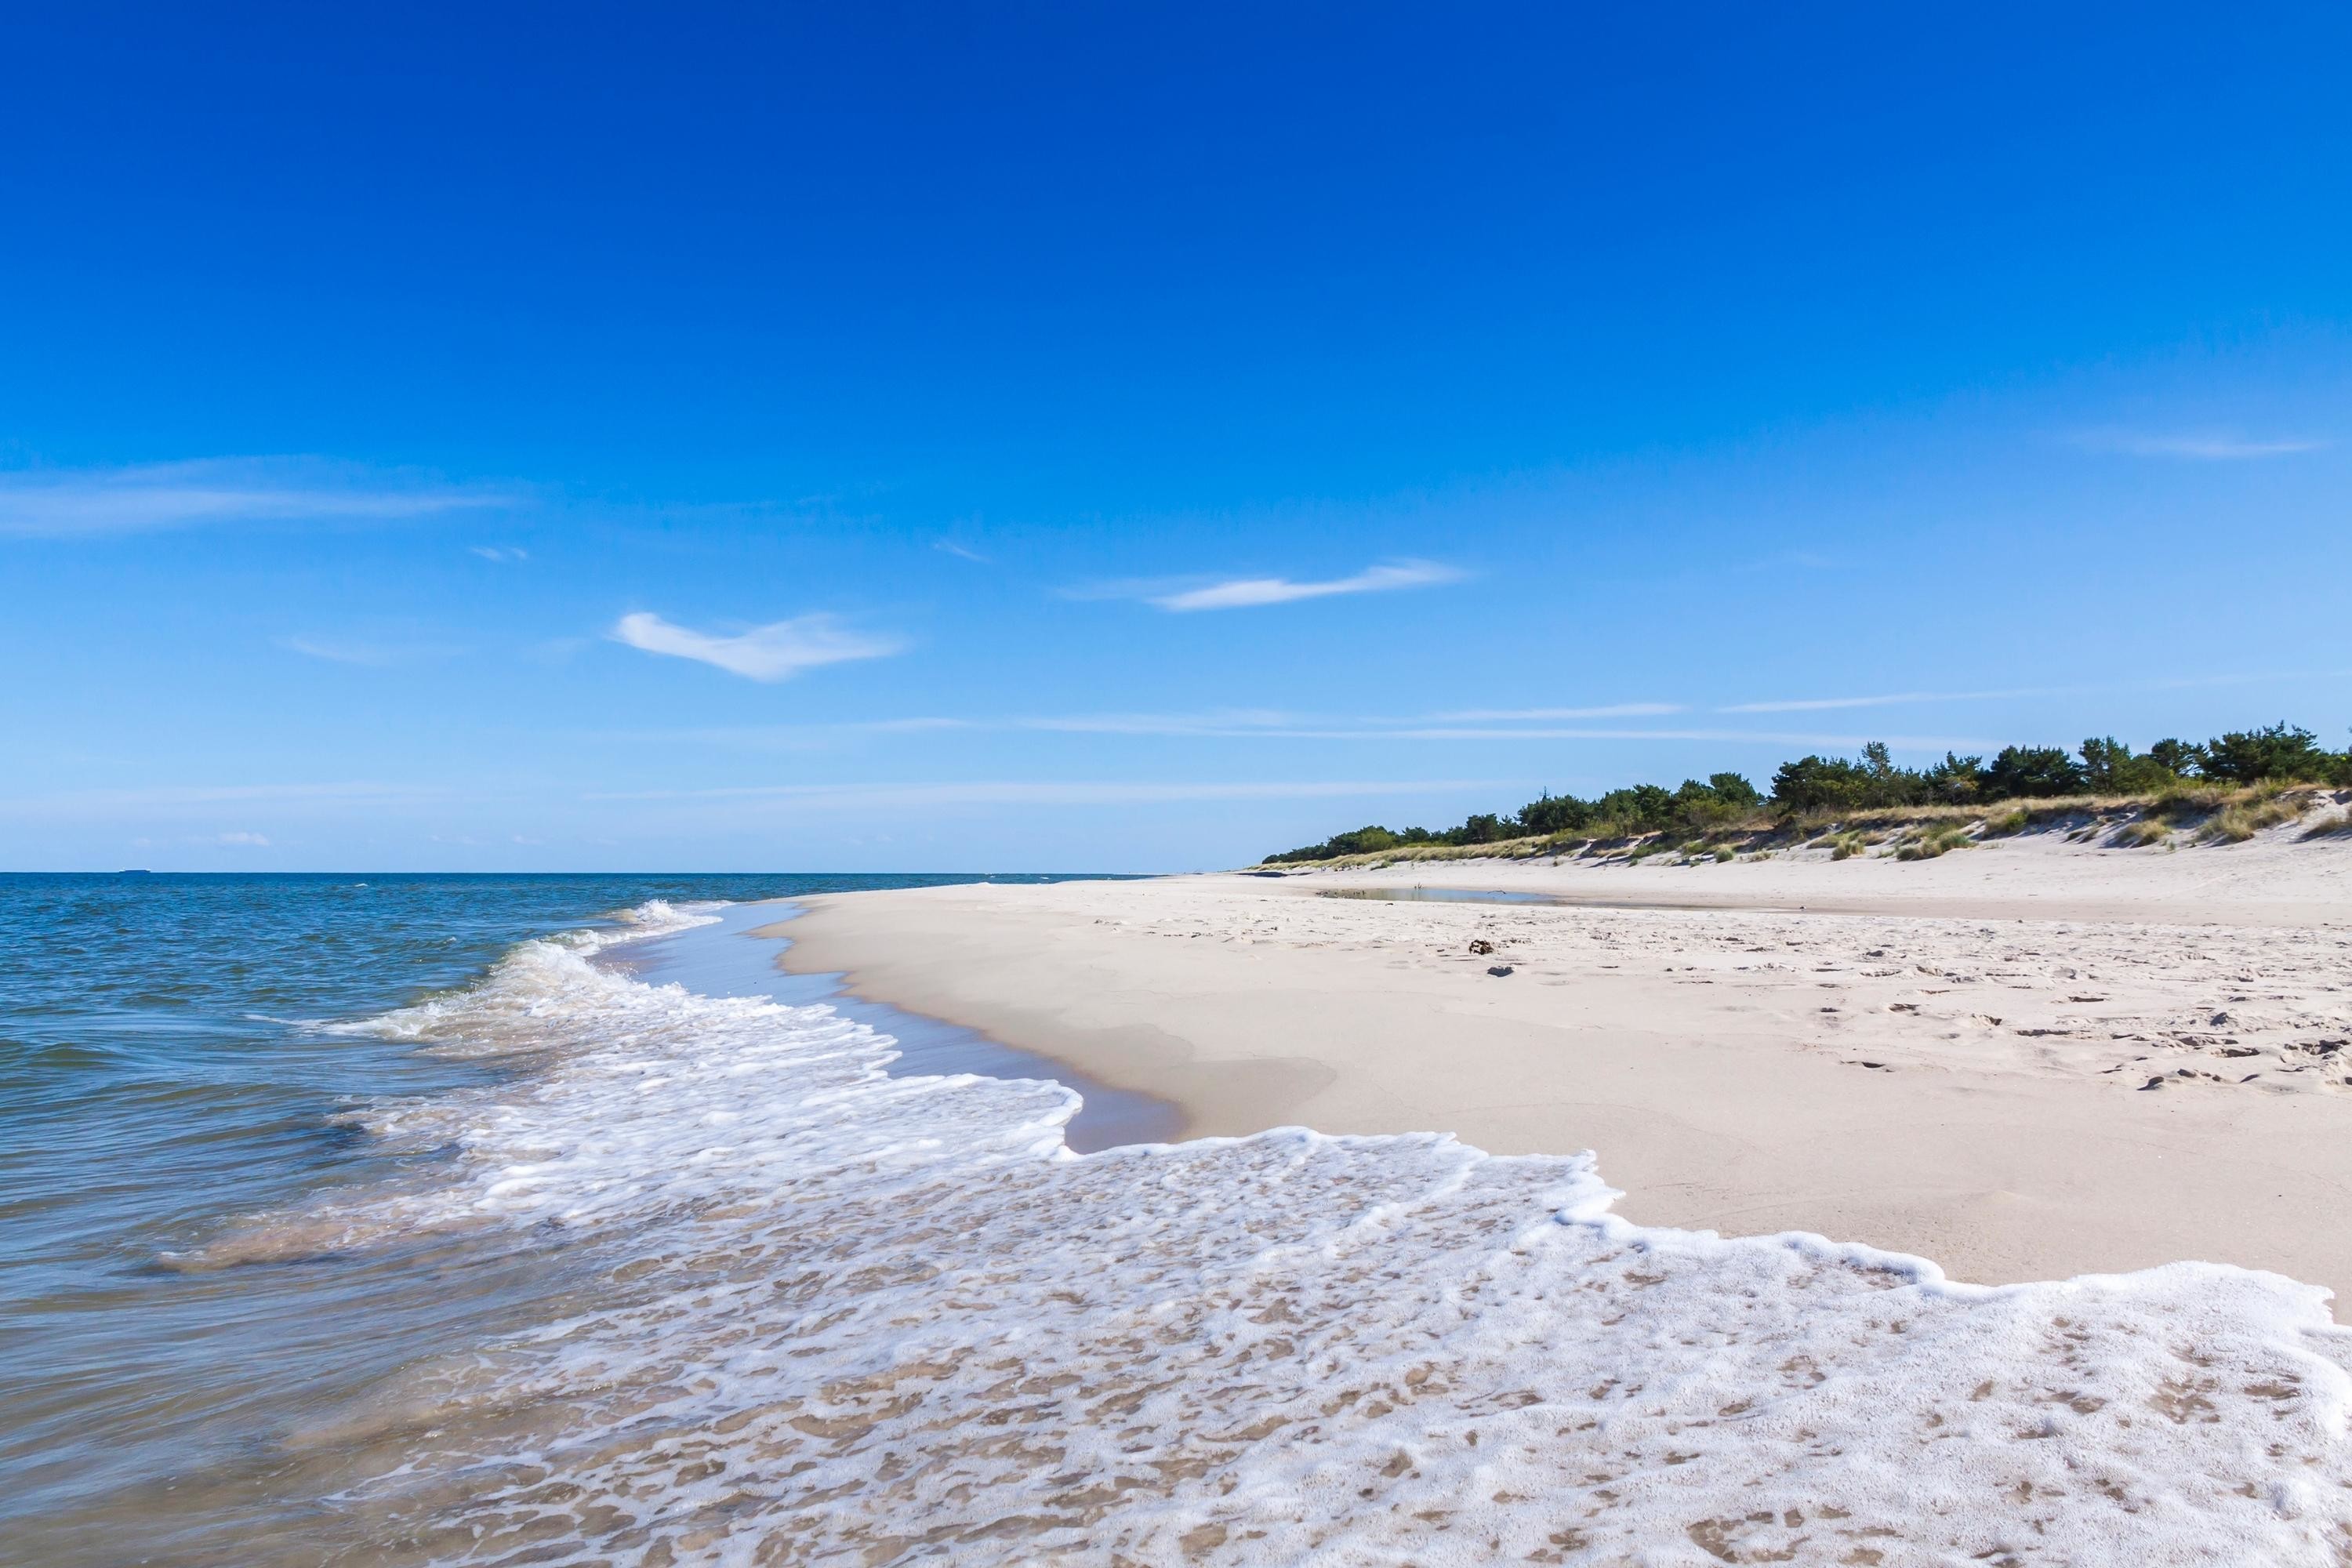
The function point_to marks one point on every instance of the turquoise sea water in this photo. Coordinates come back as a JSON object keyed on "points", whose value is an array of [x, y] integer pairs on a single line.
{"points": [[163, 1071]]}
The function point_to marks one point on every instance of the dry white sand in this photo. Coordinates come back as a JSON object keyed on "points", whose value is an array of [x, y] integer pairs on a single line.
{"points": [[2024, 1060]]}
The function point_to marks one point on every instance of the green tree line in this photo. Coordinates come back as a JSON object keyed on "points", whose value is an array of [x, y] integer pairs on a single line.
{"points": [[2281, 753]]}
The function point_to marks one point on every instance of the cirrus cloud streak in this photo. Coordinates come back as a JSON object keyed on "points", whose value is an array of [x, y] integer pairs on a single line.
{"points": [[777, 651], [1243, 592], [144, 497], [2202, 447], [1023, 792]]}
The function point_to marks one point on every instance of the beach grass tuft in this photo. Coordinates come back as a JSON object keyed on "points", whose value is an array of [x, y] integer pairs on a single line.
{"points": [[2236, 824], [1930, 845]]}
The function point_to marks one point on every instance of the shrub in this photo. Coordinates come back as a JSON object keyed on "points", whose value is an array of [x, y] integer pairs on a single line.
{"points": [[1736, 789], [1818, 787], [1830, 783], [1367, 840], [1955, 780], [2109, 767], [2282, 753], [1817, 783], [1703, 806], [2026, 772], [2008, 823], [1555, 813], [2149, 829]]}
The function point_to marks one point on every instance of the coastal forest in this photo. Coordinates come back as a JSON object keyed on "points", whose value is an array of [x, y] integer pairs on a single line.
{"points": [[1813, 788]]}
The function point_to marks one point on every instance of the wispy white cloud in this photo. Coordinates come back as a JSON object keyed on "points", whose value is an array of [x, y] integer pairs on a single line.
{"points": [[1501, 725], [2209, 446], [1614, 710], [1895, 698], [1731, 737], [1261, 725], [1189, 594], [1243, 592], [371, 655], [1222, 722], [334, 653], [180, 801], [952, 548], [811, 736], [556, 651], [1885, 700], [914, 726], [1029, 793], [239, 840], [501, 552], [89, 503], [777, 651]]}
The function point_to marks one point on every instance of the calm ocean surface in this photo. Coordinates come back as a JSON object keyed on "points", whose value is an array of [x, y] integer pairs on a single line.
{"points": [[162, 1072]]}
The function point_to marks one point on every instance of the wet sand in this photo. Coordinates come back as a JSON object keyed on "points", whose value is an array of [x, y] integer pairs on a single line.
{"points": [[737, 957], [2027, 1060]]}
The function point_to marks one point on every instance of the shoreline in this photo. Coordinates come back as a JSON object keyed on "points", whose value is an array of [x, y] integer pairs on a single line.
{"points": [[892, 1308], [1109, 1115], [1734, 1066]]}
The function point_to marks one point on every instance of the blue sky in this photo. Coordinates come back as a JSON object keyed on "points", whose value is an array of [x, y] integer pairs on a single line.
{"points": [[1134, 437]]}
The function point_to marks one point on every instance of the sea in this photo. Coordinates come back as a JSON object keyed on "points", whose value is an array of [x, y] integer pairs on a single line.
{"points": [[504, 1220]]}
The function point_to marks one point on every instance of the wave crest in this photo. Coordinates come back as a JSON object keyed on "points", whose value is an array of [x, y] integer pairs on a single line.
{"points": [[844, 1314]]}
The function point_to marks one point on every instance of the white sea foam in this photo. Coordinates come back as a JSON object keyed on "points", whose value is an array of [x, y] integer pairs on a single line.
{"points": [[845, 1317]]}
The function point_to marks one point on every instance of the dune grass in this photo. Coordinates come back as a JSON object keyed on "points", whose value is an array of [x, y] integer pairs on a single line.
{"points": [[2206, 814], [1940, 841], [2240, 820]]}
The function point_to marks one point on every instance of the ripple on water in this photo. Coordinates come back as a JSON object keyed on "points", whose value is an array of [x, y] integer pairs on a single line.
{"points": [[830, 1314], [763, 1302]]}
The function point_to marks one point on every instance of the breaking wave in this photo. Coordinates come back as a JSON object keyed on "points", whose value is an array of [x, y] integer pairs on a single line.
{"points": [[842, 1316]]}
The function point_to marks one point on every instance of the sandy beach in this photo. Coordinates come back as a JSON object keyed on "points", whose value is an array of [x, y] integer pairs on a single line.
{"points": [[2031, 1059]]}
